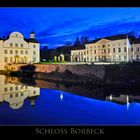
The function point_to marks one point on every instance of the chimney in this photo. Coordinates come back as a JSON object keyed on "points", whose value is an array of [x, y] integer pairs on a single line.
{"points": [[32, 35]]}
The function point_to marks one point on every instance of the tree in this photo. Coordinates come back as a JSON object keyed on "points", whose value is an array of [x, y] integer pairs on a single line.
{"points": [[77, 42]]}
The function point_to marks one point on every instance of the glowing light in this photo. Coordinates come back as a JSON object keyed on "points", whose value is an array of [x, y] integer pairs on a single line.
{"points": [[110, 97], [61, 96]]}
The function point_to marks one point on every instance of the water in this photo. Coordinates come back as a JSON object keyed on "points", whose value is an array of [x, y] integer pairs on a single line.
{"points": [[21, 104]]}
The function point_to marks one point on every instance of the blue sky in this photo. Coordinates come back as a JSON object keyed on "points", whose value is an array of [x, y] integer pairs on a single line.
{"points": [[58, 26]]}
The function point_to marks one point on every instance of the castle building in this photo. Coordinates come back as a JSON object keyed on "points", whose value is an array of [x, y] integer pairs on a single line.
{"points": [[114, 48], [19, 50]]}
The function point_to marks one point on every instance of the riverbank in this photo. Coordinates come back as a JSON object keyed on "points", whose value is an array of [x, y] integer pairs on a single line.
{"points": [[125, 74]]}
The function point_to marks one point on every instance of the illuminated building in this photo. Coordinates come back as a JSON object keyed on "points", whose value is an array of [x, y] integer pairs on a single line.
{"points": [[114, 48], [17, 49]]}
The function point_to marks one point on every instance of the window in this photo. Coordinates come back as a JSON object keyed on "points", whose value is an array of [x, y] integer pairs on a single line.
{"points": [[108, 45], [16, 44], [5, 89], [5, 59], [108, 50], [16, 88], [34, 46], [11, 95], [125, 49], [119, 49], [16, 51], [21, 94], [137, 49], [21, 52], [104, 51], [11, 51], [11, 59], [26, 52], [11, 88], [95, 51], [113, 50], [16, 95], [131, 49], [5, 51], [21, 45], [87, 52], [11, 44]]}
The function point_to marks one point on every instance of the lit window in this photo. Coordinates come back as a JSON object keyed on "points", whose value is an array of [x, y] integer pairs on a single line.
{"points": [[11, 51], [5, 51], [95, 51]]}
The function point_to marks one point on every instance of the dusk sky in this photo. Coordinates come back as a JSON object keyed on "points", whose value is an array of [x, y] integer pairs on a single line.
{"points": [[58, 26]]}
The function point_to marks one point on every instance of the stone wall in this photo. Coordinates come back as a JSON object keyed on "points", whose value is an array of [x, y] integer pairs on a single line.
{"points": [[86, 70]]}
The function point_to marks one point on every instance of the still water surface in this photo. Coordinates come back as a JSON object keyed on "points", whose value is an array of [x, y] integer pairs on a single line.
{"points": [[21, 104]]}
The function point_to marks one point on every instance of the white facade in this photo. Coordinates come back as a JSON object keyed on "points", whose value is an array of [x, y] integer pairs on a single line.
{"points": [[16, 94], [16, 49], [107, 50]]}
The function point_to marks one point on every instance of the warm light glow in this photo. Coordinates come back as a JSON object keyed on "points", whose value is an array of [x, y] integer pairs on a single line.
{"points": [[110, 97]]}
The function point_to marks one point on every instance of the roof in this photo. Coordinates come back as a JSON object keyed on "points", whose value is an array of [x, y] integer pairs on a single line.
{"points": [[136, 41], [115, 37], [78, 48], [31, 40]]}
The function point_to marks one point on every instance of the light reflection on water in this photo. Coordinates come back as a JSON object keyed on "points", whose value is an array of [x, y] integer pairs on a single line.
{"points": [[21, 104]]}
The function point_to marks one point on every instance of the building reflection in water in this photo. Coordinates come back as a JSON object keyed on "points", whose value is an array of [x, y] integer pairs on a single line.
{"points": [[16, 94], [124, 99]]}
